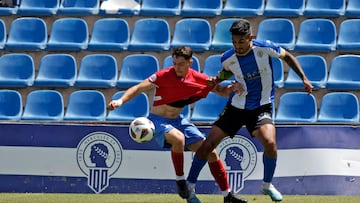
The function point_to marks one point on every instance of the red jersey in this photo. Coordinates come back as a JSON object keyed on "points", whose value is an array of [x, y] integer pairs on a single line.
{"points": [[171, 88]]}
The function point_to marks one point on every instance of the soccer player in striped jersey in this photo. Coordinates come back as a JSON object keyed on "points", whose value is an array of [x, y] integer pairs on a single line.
{"points": [[251, 104]]}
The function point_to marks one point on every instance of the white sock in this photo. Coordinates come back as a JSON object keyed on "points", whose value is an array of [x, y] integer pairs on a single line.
{"points": [[265, 185], [180, 178], [225, 192]]}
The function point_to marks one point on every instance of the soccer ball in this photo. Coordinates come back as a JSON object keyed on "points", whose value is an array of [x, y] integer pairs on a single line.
{"points": [[141, 130]]}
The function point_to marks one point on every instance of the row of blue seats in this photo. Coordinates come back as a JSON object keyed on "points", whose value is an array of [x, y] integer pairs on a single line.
{"points": [[90, 105], [153, 34], [311, 8], [102, 70]]}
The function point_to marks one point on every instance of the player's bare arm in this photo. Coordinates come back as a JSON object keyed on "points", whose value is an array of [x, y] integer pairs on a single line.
{"points": [[295, 65], [130, 93]]}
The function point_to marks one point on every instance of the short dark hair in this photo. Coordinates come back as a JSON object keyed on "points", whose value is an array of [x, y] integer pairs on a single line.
{"points": [[241, 27], [183, 51]]}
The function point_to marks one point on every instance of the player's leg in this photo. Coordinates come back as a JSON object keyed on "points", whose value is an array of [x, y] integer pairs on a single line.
{"points": [[168, 136], [266, 133], [177, 141]]}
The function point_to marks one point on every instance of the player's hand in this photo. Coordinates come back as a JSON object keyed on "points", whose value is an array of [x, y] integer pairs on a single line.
{"points": [[237, 88], [114, 104], [211, 82], [308, 86]]}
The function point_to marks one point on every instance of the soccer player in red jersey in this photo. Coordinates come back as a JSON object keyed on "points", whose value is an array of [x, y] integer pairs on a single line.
{"points": [[175, 87]]}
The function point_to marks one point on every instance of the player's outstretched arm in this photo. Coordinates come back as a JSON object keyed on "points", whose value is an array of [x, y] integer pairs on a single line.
{"points": [[295, 65], [130, 93]]}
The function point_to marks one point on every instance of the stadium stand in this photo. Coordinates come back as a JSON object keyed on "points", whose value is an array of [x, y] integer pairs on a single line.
{"points": [[208, 109], [316, 35], [135, 68], [344, 73], [122, 8], [349, 36], [109, 34], [278, 30], [150, 34], [3, 34], [16, 70], [38, 7], [201, 8], [10, 105], [299, 107], [136, 107], [324, 8], [78, 7], [86, 105], [284, 8], [193, 32], [97, 70], [68, 34], [352, 9], [44, 105], [244, 8], [160, 7], [168, 61], [221, 40], [278, 72], [315, 68], [339, 107], [27, 33], [56, 70]]}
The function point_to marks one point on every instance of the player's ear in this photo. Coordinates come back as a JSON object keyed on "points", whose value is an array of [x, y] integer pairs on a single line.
{"points": [[252, 37], [191, 61]]}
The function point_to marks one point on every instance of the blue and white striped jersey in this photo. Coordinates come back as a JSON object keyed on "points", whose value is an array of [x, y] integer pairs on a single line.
{"points": [[254, 71]]}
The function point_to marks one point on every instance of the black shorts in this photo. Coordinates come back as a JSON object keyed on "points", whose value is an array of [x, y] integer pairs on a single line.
{"points": [[232, 118]]}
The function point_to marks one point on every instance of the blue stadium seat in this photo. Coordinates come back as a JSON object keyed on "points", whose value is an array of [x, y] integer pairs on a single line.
{"points": [[168, 61], [10, 9], [315, 68], [316, 35], [284, 8], [122, 8], [160, 7], [44, 105], [10, 105], [79, 7], [186, 112], [249, 8], [349, 36], [136, 107], [278, 72], [28, 33], [208, 109], [324, 8], [200, 8], [110, 34], [86, 105], [221, 40], [2, 34], [150, 34], [97, 70], [135, 68], [296, 107], [38, 7], [352, 9], [212, 65], [338, 107], [344, 73], [16, 70], [278, 30], [56, 70], [68, 34], [193, 32]]}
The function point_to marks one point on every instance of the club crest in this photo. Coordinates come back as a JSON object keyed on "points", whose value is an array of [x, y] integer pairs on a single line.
{"points": [[99, 156], [239, 155]]}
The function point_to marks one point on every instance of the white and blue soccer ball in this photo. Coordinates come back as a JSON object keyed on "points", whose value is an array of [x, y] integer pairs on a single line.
{"points": [[141, 130]]}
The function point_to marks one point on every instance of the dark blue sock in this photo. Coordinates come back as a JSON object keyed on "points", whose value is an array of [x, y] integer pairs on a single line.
{"points": [[269, 168], [195, 169]]}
